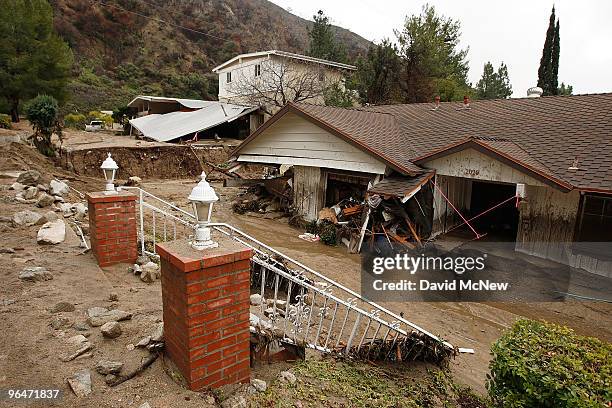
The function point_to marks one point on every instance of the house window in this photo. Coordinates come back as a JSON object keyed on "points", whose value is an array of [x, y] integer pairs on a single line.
{"points": [[595, 219], [228, 77], [257, 70]]}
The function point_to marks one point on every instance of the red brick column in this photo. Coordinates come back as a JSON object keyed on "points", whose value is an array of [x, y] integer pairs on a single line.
{"points": [[206, 311], [112, 227]]}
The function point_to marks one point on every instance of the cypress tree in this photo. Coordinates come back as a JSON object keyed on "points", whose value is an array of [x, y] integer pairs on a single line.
{"points": [[554, 82], [545, 71]]}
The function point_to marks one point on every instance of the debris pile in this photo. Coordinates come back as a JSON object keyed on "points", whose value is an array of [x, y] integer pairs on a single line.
{"points": [[268, 196]]}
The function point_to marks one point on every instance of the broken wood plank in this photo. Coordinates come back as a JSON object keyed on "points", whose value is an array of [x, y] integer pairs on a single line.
{"points": [[413, 231], [363, 230], [350, 211]]}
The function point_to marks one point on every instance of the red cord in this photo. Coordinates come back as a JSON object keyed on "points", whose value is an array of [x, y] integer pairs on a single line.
{"points": [[457, 211]]}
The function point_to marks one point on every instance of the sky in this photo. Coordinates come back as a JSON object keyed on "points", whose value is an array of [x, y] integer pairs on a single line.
{"points": [[496, 31]]}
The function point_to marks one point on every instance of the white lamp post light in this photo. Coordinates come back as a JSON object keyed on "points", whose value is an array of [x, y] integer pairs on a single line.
{"points": [[109, 167], [203, 197]]}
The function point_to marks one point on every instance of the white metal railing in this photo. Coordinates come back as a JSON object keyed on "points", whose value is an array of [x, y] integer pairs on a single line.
{"points": [[300, 305]]}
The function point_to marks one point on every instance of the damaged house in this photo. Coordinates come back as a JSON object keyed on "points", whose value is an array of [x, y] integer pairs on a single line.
{"points": [[174, 119], [534, 171]]}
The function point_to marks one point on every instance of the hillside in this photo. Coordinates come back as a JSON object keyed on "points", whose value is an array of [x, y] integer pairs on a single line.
{"points": [[122, 49]]}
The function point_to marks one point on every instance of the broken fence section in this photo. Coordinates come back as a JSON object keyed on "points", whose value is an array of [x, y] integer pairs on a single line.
{"points": [[300, 306]]}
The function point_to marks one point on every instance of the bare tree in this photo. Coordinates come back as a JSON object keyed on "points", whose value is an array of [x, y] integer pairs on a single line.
{"points": [[279, 82]]}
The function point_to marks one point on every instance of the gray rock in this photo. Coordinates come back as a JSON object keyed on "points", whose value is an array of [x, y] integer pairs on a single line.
{"points": [[111, 330], [45, 200], [58, 199], [256, 299], [259, 385], [60, 322], [30, 193], [81, 351], [287, 377], [106, 367], [235, 401], [42, 187], [97, 316], [80, 210], [7, 250], [29, 178], [80, 383], [26, 218], [145, 405], [110, 378], [50, 216], [17, 187], [80, 326], [144, 342], [62, 307], [35, 274], [158, 333], [58, 188], [52, 233], [142, 260], [66, 209]]}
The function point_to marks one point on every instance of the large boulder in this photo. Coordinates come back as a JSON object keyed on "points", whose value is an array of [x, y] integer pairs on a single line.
{"points": [[29, 178], [52, 233], [58, 188], [26, 218], [35, 274]]}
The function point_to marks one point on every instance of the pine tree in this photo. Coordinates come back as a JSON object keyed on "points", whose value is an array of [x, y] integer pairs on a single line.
{"points": [[377, 76], [323, 42], [549, 63], [33, 58], [494, 85]]}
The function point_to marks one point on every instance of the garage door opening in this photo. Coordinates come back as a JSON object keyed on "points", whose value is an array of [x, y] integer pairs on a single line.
{"points": [[342, 186], [501, 222]]}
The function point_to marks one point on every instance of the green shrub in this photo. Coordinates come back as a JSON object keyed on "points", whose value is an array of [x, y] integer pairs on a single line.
{"points": [[544, 365], [97, 115], [327, 232], [5, 121], [75, 121], [43, 114]]}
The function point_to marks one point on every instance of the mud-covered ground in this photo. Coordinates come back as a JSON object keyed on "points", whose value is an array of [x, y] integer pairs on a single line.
{"points": [[30, 346]]}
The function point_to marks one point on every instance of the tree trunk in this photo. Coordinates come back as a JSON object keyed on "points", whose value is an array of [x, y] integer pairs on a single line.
{"points": [[14, 110]]}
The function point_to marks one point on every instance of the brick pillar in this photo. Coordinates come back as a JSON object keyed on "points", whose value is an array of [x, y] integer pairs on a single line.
{"points": [[206, 311], [112, 227]]}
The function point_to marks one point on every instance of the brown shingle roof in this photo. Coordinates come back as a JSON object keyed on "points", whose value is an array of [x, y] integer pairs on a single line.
{"points": [[400, 186], [547, 132]]}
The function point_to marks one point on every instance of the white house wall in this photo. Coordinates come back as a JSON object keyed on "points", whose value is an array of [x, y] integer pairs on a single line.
{"points": [[294, 140], [472, 164]]}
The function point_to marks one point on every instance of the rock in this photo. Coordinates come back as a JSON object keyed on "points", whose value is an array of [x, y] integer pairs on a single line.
{"points": [[42, 187], [158, 333], [135, 269], [133, 181], [52, 233], [80, 210], [35, 274], [142, 260], [80, 383], [66, 209], [144, 342], [62, 307], [97, 316], [30, 193], [106, 367], [50, 216], [110, 378], [80, 326], [58, 188], [256, 299], [129, 347], [113, 297], [4, 218], [45, 200], [82, 351], [26, 218], [259, 385], [77, 340], [150, 272], [17, 187], [60, 322], [58, 199], [235, 401], [7, 250], [111, 330], [287, 377], [146, 404], [29, 178]]}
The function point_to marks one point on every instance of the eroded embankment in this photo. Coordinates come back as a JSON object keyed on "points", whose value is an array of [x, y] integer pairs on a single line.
{"points": [[161, 162]]}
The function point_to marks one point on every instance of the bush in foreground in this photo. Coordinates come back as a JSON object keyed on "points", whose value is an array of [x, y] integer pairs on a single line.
{"points": [[544, 365]]}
